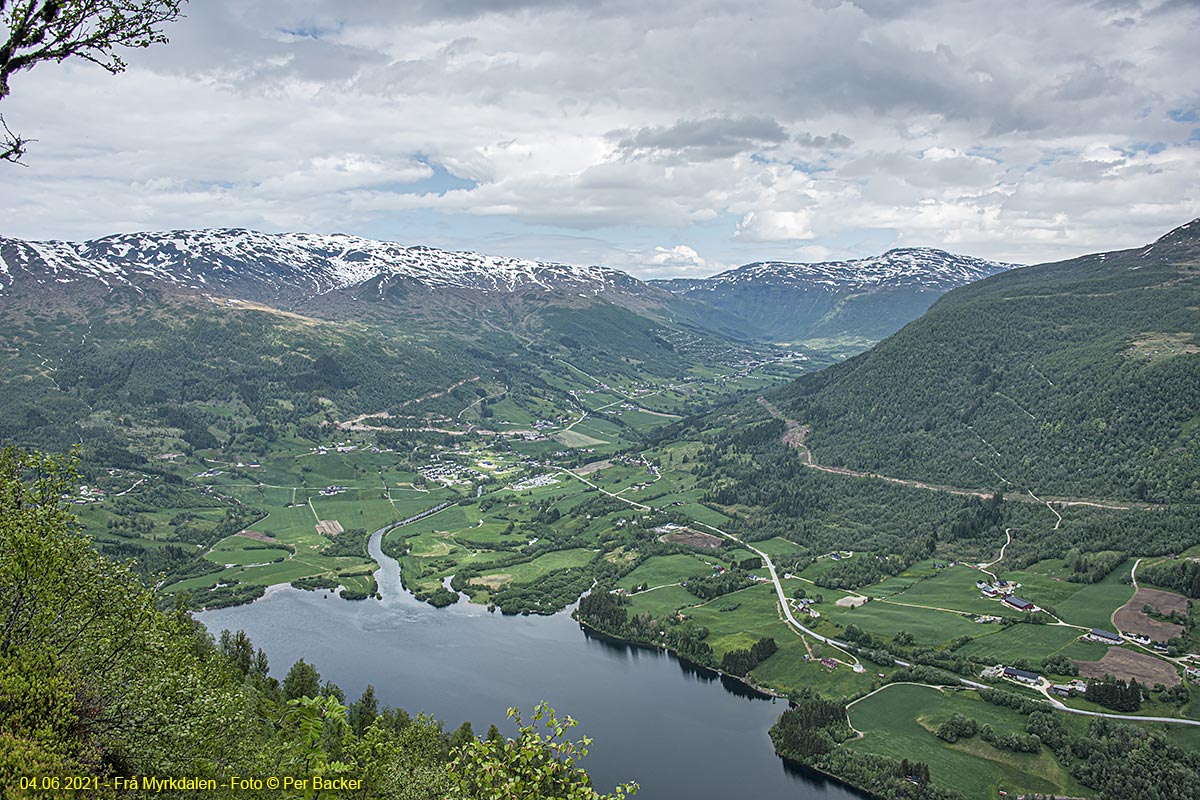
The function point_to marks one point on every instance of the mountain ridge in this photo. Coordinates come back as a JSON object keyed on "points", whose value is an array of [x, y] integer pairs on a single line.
{"points": [[301, 266], [927, 266], [851, 304]]}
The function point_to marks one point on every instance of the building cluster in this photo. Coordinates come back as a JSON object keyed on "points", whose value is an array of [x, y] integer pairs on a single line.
{"points": [[545, 479], [1075, 687], [87, 494], [332, 489], [1012, 674], [1005, 592], [805, 606], [449, 472]]}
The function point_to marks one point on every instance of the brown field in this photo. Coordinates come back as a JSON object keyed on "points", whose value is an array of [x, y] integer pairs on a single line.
{"points": [[1125, 664], [256, 536], [1129, 617], [1160, 601], [329, 527], [492, 581], [691, 538], [595, 466], [851, 601]]}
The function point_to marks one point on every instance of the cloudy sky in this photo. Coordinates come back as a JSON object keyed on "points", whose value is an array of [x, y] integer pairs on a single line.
{"points": [[674, 138]]}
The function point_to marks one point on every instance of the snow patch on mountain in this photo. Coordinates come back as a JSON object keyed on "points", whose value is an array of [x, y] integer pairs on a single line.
{"points": [[312, 264], [912, 266]]}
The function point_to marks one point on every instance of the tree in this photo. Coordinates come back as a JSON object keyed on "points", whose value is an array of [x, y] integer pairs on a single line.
{"points": [[530, 766], [55, 30], [364, 711], [302, 680]]}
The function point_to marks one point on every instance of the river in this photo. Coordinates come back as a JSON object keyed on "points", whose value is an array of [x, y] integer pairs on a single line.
{"points": [[678, 731]]}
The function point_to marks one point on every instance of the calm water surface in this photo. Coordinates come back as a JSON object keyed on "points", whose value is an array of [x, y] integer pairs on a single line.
{"points": [[679, 732]]}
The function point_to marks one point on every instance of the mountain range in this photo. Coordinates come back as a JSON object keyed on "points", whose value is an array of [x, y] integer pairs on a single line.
{"points": [[856, 302]]}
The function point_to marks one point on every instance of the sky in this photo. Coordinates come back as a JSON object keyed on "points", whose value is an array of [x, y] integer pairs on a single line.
{"points": [[666, 139]]}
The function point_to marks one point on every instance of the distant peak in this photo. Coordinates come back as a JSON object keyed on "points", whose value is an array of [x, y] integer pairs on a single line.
{"points": [[899, 251]]}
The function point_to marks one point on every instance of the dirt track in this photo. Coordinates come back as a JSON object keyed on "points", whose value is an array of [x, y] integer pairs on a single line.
{"points": [[796, 434]]}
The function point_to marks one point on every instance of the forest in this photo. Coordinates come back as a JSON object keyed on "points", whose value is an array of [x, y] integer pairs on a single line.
{"points": [[1086, 387]]}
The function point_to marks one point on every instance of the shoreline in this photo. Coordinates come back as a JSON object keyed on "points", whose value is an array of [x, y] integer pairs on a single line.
{"points": [[765, 693]]}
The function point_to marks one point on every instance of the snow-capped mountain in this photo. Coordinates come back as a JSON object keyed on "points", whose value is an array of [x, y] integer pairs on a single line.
{"points": [[910, 266], [286, 268], [865, 299]]}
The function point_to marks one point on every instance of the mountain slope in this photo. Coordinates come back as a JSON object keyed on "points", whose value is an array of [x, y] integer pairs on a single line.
{"points": [[142, 342], [1080, 377], [864, 299]]}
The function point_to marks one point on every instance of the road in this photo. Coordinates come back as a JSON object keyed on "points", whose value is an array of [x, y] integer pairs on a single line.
{"points": [[795, 437], [856, 665], [783, 600]]}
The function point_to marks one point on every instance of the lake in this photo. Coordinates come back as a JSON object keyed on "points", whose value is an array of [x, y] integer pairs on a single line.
{"points": [[678, 731]]}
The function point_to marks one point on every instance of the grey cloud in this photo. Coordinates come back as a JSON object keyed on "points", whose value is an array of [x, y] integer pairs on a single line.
{"points": [[1092, 79], [702, 139], [834, 141]]}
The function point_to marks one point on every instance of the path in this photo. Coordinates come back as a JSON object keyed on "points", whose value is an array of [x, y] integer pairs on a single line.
{"points": [[131, 488], [606, 491], [999, 558], [1052, 511], [787, 610], [1055, 704], [350, 423], [480, 400], [795, 437]]}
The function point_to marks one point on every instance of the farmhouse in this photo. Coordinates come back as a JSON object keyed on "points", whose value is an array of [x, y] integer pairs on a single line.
{"points": [[1019, 604], [1022, 675], [1104, 637]]}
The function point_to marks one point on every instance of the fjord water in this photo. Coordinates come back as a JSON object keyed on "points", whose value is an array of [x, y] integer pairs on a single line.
{"points": [[679, 732]]}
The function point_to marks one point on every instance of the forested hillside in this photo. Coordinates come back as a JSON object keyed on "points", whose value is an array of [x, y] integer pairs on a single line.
{"points": [[129, 373], [1077, 378]]}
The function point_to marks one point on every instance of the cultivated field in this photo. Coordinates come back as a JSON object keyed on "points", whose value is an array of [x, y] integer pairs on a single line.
{"points": [[1126, 664], [1131, 618], [691, 538]]}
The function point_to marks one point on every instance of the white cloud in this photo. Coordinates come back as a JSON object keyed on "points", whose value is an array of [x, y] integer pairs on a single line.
{"points": [[680, 256], [769, 225], [1025, 130]]}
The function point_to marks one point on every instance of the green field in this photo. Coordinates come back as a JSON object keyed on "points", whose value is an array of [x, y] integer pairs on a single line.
{"points": [[886, 619], [899, 722], [542, 565], [952, 588], [1029, 642], [661, 601], [660, 570], [1093, 605]]}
